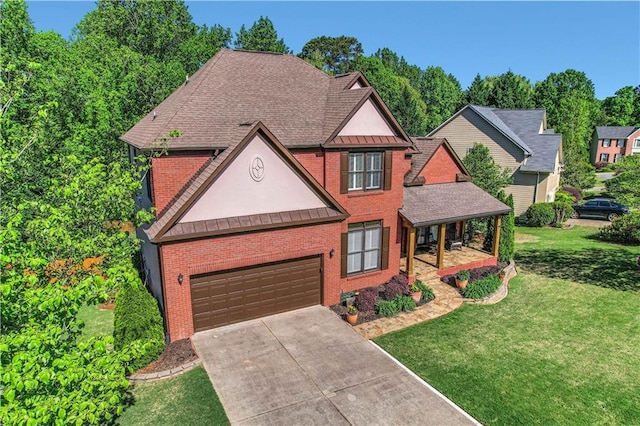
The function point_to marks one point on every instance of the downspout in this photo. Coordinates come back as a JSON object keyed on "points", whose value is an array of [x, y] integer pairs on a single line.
{"points": [[535, 189]]}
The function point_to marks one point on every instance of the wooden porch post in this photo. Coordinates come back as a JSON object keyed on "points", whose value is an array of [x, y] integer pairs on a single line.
{"points": [[496, 235], [411, 249], [440, 254]]}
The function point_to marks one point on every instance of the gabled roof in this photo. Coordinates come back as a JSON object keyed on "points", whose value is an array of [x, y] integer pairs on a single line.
{"points": [[428, 147], [615, 132], [166, 227], [526, 129], [302, 105], [447, 203]]}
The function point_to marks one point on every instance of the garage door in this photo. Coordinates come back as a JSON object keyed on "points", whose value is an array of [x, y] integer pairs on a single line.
{"points": [[241, 294]]}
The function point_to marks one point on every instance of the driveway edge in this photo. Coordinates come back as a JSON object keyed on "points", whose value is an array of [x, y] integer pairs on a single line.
{"points": [[427, 385]]}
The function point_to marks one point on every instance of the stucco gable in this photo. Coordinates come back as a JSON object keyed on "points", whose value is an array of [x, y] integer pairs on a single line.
{"points": [[367, 121]]}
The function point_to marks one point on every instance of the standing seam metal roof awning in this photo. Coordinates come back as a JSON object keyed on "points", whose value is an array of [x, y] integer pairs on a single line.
{"points": [[447, 203]]}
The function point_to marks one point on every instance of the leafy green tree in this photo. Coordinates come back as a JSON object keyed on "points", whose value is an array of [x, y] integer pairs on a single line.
{"points": [[410, 109], [624, 187], [399, 66], [620, 109], [484, 171], [337, 53], [262, 37], [442, 95], [479, 91], [572, 109], [511, 91]]}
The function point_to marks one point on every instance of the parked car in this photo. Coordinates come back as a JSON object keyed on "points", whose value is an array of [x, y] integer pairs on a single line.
{"points": [[604, 208]]}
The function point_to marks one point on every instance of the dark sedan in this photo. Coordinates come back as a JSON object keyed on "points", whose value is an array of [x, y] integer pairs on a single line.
{"points": [[599, 207]]}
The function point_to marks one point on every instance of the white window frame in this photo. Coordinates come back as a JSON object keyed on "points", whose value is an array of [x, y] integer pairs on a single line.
{"points": [[617, 157], [602, 159], [636, 143], [364, 173], [363, 254], [620, 143], [606, 143]]}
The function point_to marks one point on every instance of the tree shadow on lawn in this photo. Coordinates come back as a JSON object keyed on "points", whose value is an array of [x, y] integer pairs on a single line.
{"points": [[615, 269]]}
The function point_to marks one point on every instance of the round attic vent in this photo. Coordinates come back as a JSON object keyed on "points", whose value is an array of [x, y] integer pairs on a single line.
{"points": [[256, 168]]}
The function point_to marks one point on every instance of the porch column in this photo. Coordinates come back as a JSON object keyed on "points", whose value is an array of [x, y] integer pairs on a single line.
{"points": [[440, 254], [411, 250], [496, 235]]}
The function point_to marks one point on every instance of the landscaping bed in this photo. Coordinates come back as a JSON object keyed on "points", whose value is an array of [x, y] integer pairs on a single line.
{"points": [[174, 355]]}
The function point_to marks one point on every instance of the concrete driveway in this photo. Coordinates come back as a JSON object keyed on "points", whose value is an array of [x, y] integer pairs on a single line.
{"points": [[309, 367]]}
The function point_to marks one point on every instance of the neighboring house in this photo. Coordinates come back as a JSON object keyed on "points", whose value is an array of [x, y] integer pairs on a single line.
{"points": [[282, 190], [518, 140], [610, 143]]}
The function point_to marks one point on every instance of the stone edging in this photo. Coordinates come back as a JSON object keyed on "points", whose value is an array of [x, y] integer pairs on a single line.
{"points": [[159, 375], [501, 293]]}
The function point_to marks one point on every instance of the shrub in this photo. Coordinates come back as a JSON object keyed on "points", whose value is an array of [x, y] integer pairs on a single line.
{"points": [[562, 211], [482, 287], [387, 308], [398, 285], [427, 293], [575, 192], [137, 318], [479, 273], [404, 303], [507, 248], [539, 215], [624, 229], [366, 299]]}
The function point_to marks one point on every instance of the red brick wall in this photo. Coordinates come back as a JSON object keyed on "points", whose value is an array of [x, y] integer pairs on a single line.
{"points": [[441, 168], [611, 150], [629, 146], [313, 162], [169, 173]]}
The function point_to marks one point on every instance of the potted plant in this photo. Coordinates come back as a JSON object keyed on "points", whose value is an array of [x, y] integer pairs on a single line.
{"points": [[415, 291], [502, 274], [462, 278], [352, 314]]}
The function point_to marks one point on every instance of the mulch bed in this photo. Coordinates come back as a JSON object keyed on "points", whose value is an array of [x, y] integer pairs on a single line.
{"points": [[175, 354], [363, 317], [476, 273]]}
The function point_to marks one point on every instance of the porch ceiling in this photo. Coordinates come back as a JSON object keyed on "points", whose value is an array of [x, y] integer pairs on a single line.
{"points": [[447, 203]]}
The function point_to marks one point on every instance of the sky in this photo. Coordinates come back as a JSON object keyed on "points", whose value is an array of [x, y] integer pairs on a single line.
{"points": [[533, 39]]}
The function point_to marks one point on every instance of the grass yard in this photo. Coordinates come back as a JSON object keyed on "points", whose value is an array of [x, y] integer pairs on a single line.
{"points": [[562, 348], [97, 322], [185, 400]]}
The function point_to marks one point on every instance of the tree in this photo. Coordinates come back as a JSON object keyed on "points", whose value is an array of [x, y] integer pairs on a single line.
{"points": [[572, 109], [484, 171], [262, 36], [442, 95], [507, 248], [511, 91], [620, 109], [410, 109], [479, 91], [399, 66], [336, 54], [624, 187]]}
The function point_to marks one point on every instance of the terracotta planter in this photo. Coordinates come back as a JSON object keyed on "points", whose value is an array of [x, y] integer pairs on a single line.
{"points": [[416, 296], [461, 284], [352, 319]]}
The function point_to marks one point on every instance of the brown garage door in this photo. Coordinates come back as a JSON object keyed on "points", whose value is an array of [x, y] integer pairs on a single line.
{"points": [[241, 294]]}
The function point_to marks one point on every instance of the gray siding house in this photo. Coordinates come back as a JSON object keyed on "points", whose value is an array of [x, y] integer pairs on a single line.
{"points": [[518, 140]]}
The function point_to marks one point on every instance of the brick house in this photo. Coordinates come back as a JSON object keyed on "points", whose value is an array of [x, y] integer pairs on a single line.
{"points": [[610, 143], [518, 140], [282, 189]]}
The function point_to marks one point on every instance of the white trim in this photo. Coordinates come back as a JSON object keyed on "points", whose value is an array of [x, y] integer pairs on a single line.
{"points": [[428, 386]]}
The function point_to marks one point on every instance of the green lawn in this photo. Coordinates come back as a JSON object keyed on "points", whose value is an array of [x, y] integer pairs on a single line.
{"points": [[562, 348], [185, 400], [97, 322]]}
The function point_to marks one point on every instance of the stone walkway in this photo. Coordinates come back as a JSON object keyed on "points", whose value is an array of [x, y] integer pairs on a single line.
{"points": [[447, 299]]}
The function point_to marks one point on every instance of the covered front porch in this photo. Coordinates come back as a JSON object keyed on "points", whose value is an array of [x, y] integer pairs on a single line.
{"points": [[434, 218]]}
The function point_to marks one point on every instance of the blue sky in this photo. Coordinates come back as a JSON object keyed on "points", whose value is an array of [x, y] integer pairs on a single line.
{"points": [[465, 38]]}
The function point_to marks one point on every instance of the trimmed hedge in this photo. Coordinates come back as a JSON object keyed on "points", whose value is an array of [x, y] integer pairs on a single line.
{"points": [[137, 317], [624, 229], [539, 215], [482, 287]]}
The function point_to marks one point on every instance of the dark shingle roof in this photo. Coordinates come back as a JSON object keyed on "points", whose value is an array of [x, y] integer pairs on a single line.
{"points": [[614, 132], [490, 114], [300, 104], [447, 203]]}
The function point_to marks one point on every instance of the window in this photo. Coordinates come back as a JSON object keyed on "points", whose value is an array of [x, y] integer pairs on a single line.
{"points": [[363, 247], [636, 143], [617, 157], [620, 143], [606, 142], [604, 158], [365, 171]]}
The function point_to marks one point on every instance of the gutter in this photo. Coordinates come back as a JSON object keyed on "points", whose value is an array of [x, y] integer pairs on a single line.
{"points": [[535, 188]]}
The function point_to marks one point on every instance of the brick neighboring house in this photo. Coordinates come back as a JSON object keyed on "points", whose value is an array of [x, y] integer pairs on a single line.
{"points": [[282, 190], [518, 140], [610, 143]]}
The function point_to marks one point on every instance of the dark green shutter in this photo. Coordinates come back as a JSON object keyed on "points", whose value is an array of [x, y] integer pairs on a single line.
{"points": [[386, 233], [388, 160], [344, 243], [344, 172]]}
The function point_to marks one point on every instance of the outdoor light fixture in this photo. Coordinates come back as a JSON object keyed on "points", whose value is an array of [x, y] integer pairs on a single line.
{"points": [[332, 252], [180, 279]]}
